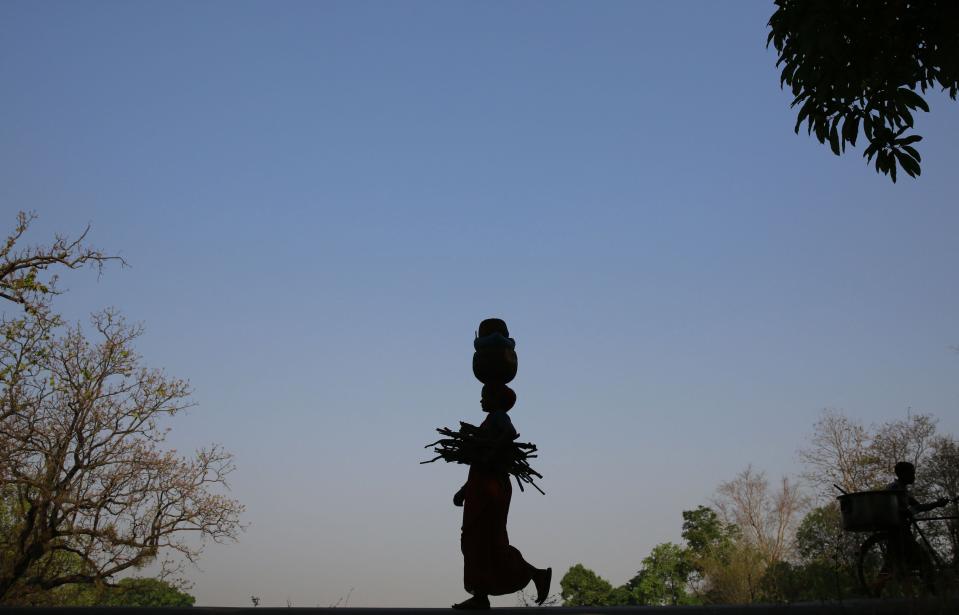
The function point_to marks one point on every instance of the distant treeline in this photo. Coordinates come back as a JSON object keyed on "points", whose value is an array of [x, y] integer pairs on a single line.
{"points": [[783, 542]]}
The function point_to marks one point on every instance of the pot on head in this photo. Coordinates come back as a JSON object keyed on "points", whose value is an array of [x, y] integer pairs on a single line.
{"points": [[495, 365]]}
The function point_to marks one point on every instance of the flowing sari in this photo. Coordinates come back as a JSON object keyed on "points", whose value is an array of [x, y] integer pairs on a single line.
{"points": [[490, 565]]}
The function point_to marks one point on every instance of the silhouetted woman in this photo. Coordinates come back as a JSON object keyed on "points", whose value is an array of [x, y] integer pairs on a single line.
{"points": [[490, 565]]}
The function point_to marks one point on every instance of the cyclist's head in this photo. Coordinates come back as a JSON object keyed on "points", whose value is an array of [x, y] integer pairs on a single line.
{"points": [[906, 472]]}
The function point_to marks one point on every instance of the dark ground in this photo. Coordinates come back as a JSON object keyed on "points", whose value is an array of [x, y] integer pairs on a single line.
{"points": [[853, 607]]}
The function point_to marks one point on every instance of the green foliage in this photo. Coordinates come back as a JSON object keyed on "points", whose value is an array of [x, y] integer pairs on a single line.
{"points": [[622, 595], [820, 537], [664, 577], [732, 576], [826, 569], [855, 64], [580, 586], [705, 533], [130, 592], [782, 582], [137, 592], [142, 592]]}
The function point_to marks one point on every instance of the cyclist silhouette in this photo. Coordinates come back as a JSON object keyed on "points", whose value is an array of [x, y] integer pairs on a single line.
{"points": [[904, 553]]}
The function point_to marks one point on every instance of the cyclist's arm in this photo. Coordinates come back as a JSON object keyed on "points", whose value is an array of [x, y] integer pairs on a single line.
{"points": [[927, 507]]}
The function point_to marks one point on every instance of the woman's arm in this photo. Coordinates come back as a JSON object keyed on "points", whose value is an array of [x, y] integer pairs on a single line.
{"points": [[460, 496]]}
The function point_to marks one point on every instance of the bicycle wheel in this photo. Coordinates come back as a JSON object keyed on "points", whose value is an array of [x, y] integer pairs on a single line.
{"points": [[873, 567]]}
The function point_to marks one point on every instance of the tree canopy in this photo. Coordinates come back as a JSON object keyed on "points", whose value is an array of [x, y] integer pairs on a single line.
{"points": [[864, 64], [86, 490], [705, 532], [580, 586], [145, 592], [664, 578]]}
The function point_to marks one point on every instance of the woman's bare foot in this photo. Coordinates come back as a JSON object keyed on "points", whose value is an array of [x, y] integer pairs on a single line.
{"points": [[476, 603], [542, 579]]}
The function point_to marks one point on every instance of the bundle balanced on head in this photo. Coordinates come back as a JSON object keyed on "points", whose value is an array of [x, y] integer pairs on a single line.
{"points": [[490, 565]]}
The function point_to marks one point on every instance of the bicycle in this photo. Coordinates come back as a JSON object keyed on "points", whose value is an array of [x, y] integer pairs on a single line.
{"points": [[890, 560]]}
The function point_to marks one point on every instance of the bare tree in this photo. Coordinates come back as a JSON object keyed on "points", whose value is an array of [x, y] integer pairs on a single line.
{"points": [[341, 601], [23, 348], [846, 453], [23, 281], [22, 269], [839, 454], [766, 518], [903, 440], [858, 458], [87, 489]]}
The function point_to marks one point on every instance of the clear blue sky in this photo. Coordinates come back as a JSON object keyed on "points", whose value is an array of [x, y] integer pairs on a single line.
{"points": [[321, 200]]}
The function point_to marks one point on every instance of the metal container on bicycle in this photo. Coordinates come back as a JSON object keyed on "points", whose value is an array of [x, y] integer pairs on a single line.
{"points": [[870, 511]]}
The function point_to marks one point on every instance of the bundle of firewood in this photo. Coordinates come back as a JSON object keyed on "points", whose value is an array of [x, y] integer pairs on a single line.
{"points": [[467, 445]]}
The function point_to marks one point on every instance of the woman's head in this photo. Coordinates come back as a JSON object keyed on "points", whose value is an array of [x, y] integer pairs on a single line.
{"points": [[497, 397]]}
